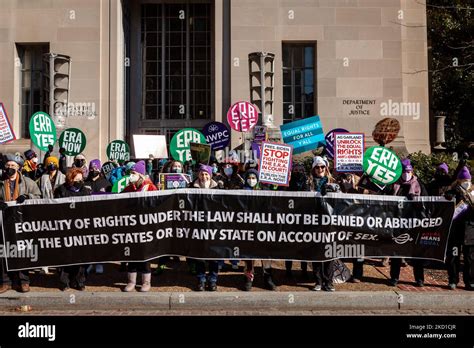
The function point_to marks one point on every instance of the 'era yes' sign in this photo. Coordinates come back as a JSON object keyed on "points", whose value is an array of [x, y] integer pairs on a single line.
{"points": [[242, 116], [180, 143], [382, 165], [42, 130]]}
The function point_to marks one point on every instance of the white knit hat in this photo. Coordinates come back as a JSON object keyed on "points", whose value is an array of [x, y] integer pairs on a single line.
{"points": [[318, 160]]}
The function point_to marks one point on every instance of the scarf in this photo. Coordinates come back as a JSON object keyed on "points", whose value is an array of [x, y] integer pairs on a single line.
{"points": [[16, 191]]}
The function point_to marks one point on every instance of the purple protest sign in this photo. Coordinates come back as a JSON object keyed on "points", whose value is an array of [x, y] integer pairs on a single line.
{"points": [[330, 141], [217, 135]]}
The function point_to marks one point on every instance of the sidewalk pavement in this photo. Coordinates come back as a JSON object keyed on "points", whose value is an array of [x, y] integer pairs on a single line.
{"points": [[239, 301]]}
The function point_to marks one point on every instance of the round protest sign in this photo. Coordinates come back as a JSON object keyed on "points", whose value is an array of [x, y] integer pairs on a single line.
{"points": [[242, 116], [217, 135], [386, 131], [330, 141], [73, 140], [382, 165], [42, 130], [180, 143], [119, 151], [120, 185]]}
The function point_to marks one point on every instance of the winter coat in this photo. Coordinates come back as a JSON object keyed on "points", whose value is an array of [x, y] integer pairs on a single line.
{"points": [[99, 185], [47, 189], [65, 191], [213, 184], [145, 186], [439, 185], [235, 182], [27, 187], [411, 187], [458, 235]]}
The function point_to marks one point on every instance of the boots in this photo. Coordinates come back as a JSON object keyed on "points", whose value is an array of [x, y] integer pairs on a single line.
{"points": [[267, 280], [146, 282], [132, 281]]}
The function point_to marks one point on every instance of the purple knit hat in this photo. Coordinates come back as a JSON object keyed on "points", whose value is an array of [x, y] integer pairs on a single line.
{"points": [[95, 164], [205, 168], [139, 167], [443, 167], [464, 174], [406, 165]]}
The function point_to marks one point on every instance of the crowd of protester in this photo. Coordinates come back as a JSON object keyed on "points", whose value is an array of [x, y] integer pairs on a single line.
{"points": [[26, 177]]}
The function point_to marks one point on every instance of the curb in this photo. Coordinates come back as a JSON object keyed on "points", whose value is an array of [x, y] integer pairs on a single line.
{"points": [[284, 301]]}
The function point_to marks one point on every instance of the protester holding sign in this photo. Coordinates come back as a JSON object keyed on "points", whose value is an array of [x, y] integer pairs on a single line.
{"points": [[52, 179], [31, 169], [97, 184], [80, 162], [462, 191], [204, 181], [95, 181], [407, 186], [252, 183], [228, 177], [320, 179], [15, 187], [299, 183], [73, 276], [139, 183], [441, 182]]}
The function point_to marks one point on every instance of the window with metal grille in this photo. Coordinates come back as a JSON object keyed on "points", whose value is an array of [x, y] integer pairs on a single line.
{"points": [[176, 51], [299, 90], [31, 94]]}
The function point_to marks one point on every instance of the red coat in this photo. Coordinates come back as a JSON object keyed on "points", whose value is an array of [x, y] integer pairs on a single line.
{"points": [[147, 185]]}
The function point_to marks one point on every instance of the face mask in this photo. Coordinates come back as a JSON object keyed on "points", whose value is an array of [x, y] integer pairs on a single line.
{"points": [[95, 173], [34, 160], [214, 170], [176, 170], [134, 178], [10, 172], [51, 167], [466, 185], [252, 182], [78, 184], [228, 171], [78, 163], [407, 176]]}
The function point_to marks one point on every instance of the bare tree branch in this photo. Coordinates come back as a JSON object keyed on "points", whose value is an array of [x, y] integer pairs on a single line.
{"points": [[408, 25], [466, 66], [445, 7]]}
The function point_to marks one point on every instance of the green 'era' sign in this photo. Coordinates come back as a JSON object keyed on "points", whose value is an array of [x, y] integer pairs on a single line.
{"points": [[42, 130], [180, 143], [382, 165], [118, 150], [73, 140]]}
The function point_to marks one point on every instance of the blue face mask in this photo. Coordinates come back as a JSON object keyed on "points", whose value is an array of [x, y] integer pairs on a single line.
{"points": [[214, 170], [228, 171]]}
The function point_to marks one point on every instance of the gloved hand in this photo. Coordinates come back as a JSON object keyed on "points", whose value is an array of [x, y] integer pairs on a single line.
{"points": [[3, 205], [21, 199], [449, 196], [410, 196]]}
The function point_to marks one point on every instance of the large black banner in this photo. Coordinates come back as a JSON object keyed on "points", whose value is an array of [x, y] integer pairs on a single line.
{"points": [[211, 224]]}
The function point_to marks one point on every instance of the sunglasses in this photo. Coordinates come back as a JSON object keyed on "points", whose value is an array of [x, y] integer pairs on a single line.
{"points": [[319, 167]]}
